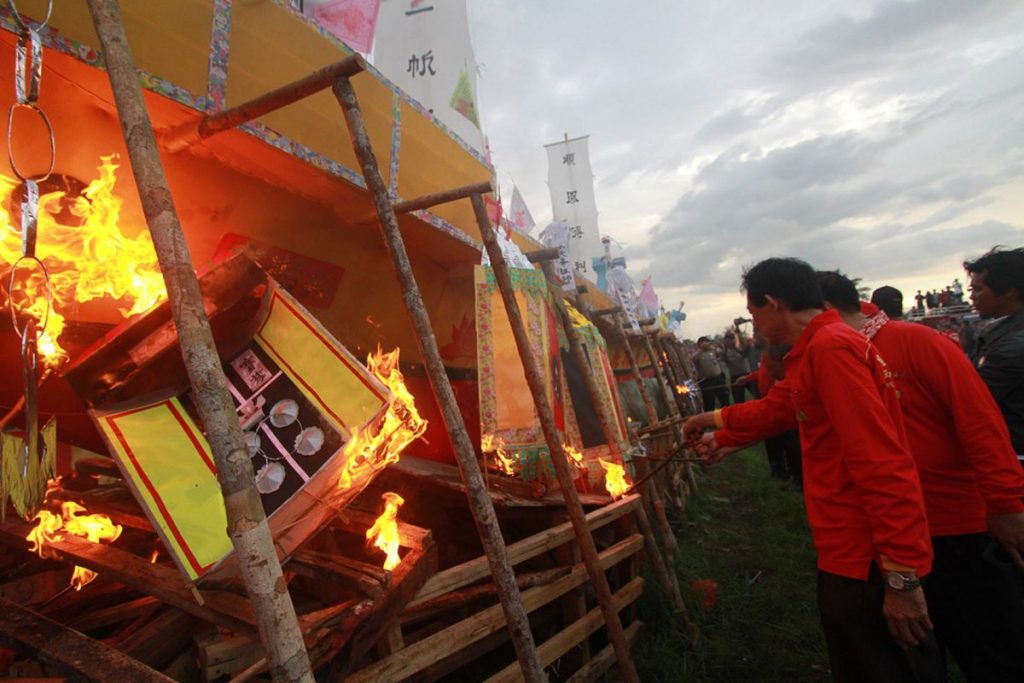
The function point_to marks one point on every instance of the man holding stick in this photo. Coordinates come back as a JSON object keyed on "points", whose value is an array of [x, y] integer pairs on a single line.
{"points": [[863, 495]]}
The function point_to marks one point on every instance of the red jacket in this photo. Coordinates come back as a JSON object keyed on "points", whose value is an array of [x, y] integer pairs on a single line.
{"points": [[955, 431], [861, 489]]}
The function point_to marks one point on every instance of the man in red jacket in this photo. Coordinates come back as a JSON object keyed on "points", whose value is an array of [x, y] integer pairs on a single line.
{"points": [[968, 472], [861, 489]]}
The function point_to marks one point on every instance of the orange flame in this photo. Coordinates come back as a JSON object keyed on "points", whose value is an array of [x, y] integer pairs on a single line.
{"points": [[384, 532], [87, 260], [53, 527], [576, 456], [615, 480], [382, 443], [502, 460], [682, 389]]}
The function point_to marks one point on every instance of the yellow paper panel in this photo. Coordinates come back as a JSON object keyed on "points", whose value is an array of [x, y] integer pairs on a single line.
{"points": [[515, 408], [154, 448], [431, 161], [332, 379], [270, 47], [168, 39]]}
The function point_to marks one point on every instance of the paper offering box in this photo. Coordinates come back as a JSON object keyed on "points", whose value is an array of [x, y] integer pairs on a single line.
{"points": [[299, 396]]}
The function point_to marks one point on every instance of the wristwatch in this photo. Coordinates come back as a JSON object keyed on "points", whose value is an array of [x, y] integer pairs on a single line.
{"points": [[903, 583]]}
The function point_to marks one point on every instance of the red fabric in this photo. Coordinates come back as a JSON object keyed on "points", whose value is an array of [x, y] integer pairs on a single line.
{"points": [[764, 378], [861, 488], [955, 430], [751, 421]]}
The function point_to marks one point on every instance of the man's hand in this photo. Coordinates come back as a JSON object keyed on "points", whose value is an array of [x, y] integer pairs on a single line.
{"points": [[695, 426], [1008, 529], [906, 613], [709, 450]]}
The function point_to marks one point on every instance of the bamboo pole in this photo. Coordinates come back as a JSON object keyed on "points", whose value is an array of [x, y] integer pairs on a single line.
{"points": [[535, 380], [247, 523], [480, 502]]}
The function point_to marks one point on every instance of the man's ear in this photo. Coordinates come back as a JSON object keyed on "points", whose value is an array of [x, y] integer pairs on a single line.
{"points": [[774, 303]]}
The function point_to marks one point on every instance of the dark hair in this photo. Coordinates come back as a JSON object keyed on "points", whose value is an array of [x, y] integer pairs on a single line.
{"points": [[839, 291], [789, 280], [1001, 269], [701, 340], [889, 299]]}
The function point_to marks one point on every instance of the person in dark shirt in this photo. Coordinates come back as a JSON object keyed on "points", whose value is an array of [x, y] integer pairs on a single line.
{"points": [[710, 376], [737, 364], [997, 291]]}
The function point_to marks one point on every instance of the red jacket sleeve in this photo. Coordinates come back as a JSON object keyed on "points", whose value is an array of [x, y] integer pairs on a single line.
{"points": [[876, 459], [752, 421], [941, 367]]}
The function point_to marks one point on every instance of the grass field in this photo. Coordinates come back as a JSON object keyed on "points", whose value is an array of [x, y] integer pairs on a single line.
{"points": [[749, 533]]}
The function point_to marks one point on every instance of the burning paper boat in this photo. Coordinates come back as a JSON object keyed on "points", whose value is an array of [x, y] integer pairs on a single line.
{"points": [[300, 396]]}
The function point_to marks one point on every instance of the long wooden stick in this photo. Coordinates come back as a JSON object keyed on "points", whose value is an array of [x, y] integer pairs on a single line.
{"points": [[247, 523], [480, 503], [563, 471]]}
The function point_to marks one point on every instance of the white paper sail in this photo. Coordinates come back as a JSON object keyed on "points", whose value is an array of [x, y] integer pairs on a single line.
{"points": [[423, 46], [556, 235], [572, 200]]}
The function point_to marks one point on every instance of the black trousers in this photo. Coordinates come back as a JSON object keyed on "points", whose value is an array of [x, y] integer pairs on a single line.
{"points": [[713, 390], [784, 456], [739, 393], [976, 601], [860, 649]]}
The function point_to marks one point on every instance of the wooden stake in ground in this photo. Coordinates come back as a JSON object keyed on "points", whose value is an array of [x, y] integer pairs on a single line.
{"points": [[563, 471], [479, 499], [247, 523]]}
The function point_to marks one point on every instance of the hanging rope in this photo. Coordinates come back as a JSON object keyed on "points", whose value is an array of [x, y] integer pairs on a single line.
{"points": [[29, 464]]}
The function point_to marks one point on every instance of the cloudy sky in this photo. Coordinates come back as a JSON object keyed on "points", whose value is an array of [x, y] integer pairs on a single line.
{"points": [[885, 138]]}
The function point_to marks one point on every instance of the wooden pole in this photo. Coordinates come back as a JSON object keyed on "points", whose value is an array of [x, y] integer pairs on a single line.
{"points": [[480, 504], [247, 523], [535, 380], [211, 124], [429, 200], [652, 414]]}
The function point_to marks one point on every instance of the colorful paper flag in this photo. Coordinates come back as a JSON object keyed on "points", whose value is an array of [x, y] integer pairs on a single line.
{"points": [[353, 21], [463, 100], [521, 219]]}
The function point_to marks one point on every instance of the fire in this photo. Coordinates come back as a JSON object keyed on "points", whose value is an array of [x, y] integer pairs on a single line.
{"points": [[53, 527], [615, 480], [575, 455], [504, 462], [381, 444], [384, 532], [682, 389], [88, 259]]}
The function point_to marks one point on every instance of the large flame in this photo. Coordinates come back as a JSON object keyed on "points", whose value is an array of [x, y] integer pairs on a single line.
{"points": [[53, 527], [384, 532], [615, 480], [88, 261], [502, 460], [381, 444]]}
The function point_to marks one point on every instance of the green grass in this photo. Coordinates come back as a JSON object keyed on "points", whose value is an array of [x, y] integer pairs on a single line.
{"points": [[749, 533]]}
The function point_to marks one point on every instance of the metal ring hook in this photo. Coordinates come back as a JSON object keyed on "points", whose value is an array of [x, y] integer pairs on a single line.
{"points": [[10, 296], [24, 23], [10, 140]]}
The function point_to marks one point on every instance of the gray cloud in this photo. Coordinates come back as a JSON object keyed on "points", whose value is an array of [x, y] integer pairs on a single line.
{"points": [[883, 137]]}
